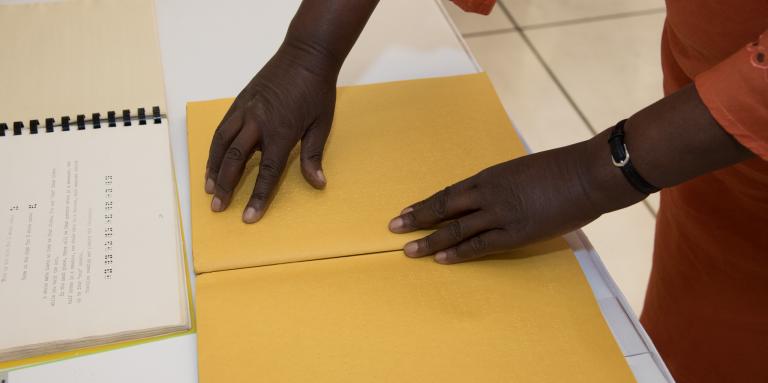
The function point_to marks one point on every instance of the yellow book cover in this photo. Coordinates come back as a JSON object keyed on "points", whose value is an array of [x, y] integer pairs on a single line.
{"points": [[391, 145], [318, 290]]}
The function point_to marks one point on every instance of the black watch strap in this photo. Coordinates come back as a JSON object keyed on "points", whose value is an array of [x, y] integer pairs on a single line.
{"points": [[621, 159]]}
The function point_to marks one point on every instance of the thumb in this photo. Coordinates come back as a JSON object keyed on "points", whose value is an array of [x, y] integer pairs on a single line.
{"points": [[312, 147]]}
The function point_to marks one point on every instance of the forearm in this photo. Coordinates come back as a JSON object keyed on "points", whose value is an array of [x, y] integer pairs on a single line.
{"points": [[672, 141], [326, 30]]}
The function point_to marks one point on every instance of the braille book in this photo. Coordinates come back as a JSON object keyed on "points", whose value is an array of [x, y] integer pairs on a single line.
{"points": [[91, 252], [319, 290]]}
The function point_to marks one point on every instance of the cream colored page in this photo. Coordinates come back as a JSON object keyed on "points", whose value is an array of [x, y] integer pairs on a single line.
{"points": [[89, 232], [78, 57], [528, 316]]}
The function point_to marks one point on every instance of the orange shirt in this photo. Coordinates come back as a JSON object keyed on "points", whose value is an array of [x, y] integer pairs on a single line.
{"points": [[706, 308]]}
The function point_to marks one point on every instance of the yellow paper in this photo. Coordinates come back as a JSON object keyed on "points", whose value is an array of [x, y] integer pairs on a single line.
{"points": [[391, 145], [527, 316], [78, 57]]}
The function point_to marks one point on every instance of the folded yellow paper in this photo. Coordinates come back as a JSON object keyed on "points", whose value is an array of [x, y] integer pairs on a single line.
{"points": [[527, 316], [391, 145]]}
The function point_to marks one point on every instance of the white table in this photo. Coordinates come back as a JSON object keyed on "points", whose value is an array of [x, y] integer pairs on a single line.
{"points": [[210, 49]]}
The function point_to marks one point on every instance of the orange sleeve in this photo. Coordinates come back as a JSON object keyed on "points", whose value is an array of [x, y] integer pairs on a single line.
{"points": [[482, 7], [736, 93]]}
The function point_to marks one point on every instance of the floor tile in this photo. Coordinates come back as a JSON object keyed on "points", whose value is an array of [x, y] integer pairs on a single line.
{"points": [[611, 68], [653, 201], [537, 108], [546, 120], [474, 23], [624, 241], [536, 12]]}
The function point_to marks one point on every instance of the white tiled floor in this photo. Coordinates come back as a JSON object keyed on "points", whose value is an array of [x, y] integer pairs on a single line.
{"points": [[568, 69], [537, 12]]}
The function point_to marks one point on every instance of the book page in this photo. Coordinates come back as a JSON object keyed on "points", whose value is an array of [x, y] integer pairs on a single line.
{"points": [[391, 145], [527, 316], [74, 57], [90, 235]]}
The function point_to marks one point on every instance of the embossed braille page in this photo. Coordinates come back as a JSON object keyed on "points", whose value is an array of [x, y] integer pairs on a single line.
{"points": [[527, 316], [391, 145]]}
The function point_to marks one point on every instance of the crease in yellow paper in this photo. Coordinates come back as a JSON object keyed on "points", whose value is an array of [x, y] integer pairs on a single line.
{"points": [[391, 145], [526, 316], [78, 57]]}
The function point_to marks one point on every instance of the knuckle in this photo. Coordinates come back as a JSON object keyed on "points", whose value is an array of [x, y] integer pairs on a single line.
{"points": [[218, 136], [259, 196], [455, 230], [224, 187], [234, 154], [270, 170], [438, 204], [312, 155], [478, 244], [475, 247], [216, 146], [409, 221], [427, 244]]}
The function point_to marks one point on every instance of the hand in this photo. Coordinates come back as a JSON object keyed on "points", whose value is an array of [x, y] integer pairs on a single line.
{"points": [[516, 203], [292, 98]]}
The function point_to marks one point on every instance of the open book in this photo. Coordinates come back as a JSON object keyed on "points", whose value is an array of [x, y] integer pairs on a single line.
{"points": [[319, 290], [90, 239]]}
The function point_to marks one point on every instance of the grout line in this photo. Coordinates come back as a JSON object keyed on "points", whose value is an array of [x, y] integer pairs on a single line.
{"points": [[557, 82], [489, 33], [549, 70], [590, 19]]}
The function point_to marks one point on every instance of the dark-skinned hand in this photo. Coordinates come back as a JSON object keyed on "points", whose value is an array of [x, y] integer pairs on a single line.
{"points": [[507, 206], [291, 99]]}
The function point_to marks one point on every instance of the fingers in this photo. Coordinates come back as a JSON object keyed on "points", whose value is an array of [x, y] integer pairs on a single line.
{"points": [[312, 147], [226, 133], [271, 169], [232, 166], [446, 204], [450, 235], [483, 244]]}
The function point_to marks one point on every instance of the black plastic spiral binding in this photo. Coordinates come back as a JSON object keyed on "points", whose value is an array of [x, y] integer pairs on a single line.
{"points": [[81, 122], [142, 116], [126, 117], [96, 120], [17, 127], [65, 123]]}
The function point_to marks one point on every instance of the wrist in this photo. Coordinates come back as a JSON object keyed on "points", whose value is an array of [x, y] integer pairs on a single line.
{"points": [[607, 189], [311, 56]]}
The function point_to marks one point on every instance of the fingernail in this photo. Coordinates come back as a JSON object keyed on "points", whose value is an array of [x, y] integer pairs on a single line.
{"points": [[210, 186], [406, 210], [252, 215], [216, 204], [320, 176], [441, 257], [396, 224], [411, 248]]}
